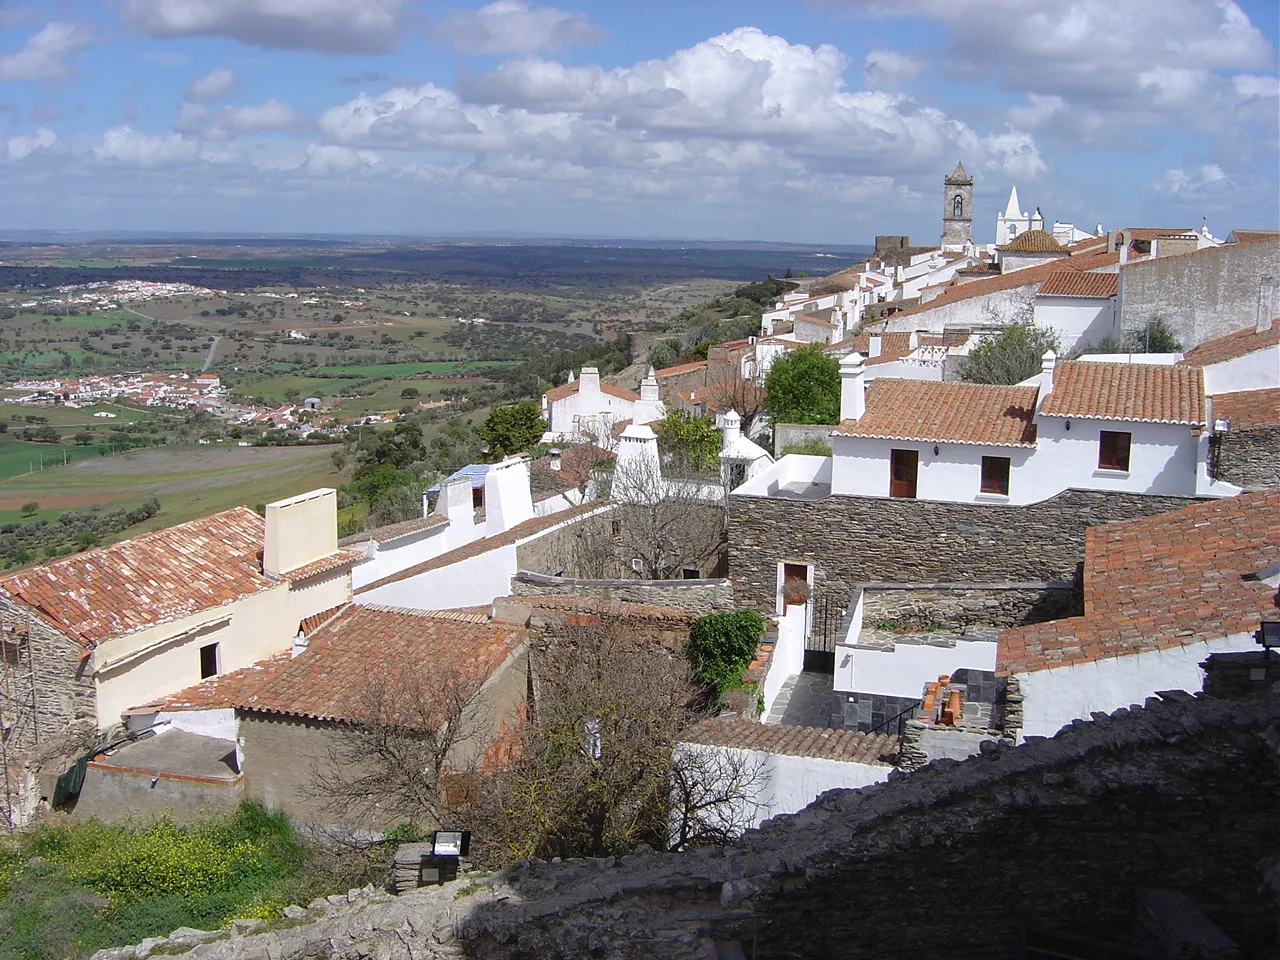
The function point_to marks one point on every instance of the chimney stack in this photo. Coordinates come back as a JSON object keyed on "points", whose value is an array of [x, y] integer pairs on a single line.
{"points": [[731, 424], [853, 400], [589, 381], [300, 530], [1048, 362], [507, 498], [874, 345], [1266, 304], [456, 503]]}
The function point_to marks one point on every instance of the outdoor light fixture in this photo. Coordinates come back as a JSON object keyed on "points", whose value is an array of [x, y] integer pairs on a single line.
{"points": [[1268, 634], [451, 843], [935, 449], [1068, 425]]}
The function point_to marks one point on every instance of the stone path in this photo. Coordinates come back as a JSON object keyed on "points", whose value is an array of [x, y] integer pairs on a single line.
{"points": [[803, 701]]}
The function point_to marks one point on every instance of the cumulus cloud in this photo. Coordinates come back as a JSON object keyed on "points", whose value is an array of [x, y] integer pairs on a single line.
{"points": [[515, 27], [228, 122], [328, 160], [889, 68], [131, 148], [44, 55], [218, 84], [1208, 179], [16, 148], [329, 26]]}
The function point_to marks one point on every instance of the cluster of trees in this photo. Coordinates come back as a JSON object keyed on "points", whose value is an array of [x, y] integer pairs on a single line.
{"points": [[803, 386], [72, 531], [729, 317]]}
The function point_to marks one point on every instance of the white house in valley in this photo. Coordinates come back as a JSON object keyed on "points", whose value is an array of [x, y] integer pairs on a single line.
{"points": [[1160, 595], [584, 409]]}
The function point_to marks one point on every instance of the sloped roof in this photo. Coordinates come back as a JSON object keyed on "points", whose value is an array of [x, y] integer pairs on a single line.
{"points": [[1143, 392], [1252, 236], [1010, 281], [942, 412], [1248, 409], [394, 531], [1161, 582], [1033, 241], [815, 320], [1070, 283], [681, 368], [850, 746], [958, 175], [150, 579], [893, 346], [323, 681], [1232, 345], [475, 548], [569, 389], [222, 692]]}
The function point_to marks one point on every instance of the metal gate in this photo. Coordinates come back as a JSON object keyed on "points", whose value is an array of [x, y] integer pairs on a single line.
{"points": [[820, 643]]}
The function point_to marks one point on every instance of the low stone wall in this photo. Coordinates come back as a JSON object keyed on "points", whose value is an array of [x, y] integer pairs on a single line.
{"points": [[118, 794], [852, 540], [698, 596], [954, 606], [786, 434], [1248, 458]]}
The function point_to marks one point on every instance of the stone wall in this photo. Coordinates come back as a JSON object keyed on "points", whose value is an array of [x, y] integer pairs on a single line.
{"points": [[1062, 834], [852, 540], [697, 596], [787, 434], [1200, 295], [117, 795], [956, 606], [48, 686], [281, 757], [1248, 458]]}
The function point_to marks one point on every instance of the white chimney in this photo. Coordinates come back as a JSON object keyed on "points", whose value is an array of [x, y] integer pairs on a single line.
{"points": [[875, 345], [589, 381], [637, 474], [649, 387], [731, 425], [507, 498], [457, 504], [553, 458], [853, 399], [1048, 362], [1266, 304], [300, 530]]}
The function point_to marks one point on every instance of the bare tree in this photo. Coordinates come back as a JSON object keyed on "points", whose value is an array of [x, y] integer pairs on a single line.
{"points": [[600, 768], [409, 731]]}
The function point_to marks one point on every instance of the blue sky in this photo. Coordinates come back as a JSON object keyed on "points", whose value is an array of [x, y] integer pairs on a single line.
{"points": [[824, 122]]}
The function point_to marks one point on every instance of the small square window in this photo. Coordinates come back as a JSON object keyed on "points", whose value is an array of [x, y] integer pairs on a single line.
{"points": [[689, 573], [1113, 450], [616, 528], [995, 475], [208, 661]]}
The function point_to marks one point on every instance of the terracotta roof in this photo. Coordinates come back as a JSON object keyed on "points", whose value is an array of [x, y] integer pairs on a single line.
{"points": [[1161, 582], [681, 368], [150, 579], [1154, 233], [373, 641], [815, 321], [317, 620], [1252, 236], [394, 531], [850, 746], [1145, 392], [569, 389], [520, 531], [620, 608], [1033, 241], [1087, 244], [1248, 409], [893, 346], [1232, 345], [1010, 281], [218, 693], [723, 395], [943, 412], [335, 561], [1070, 283], [576, 464]]}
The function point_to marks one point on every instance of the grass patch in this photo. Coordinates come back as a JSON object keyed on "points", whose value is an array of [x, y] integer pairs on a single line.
{"points": [[388, 370], [68, 890]]}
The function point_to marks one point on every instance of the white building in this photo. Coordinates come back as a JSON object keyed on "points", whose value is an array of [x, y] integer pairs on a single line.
{"points": [[584, 409]]}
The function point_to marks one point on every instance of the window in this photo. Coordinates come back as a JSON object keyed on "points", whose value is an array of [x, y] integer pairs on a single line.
{"points": [[208, 661], [737, 475], [615, 528], [995, 475], [903, 468], [1113, 450], [689, 573]]}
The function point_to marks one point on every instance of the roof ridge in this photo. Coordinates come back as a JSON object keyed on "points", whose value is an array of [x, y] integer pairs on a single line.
{"points": [[457, 615]]}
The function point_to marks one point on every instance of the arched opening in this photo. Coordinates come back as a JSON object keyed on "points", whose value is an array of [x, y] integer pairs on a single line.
{"points": [[957, 206]]}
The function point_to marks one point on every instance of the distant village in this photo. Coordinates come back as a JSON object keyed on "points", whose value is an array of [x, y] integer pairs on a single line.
{"points": [[953, 573]]}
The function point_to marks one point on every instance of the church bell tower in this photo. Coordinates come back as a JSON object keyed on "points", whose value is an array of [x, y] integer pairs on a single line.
{"points": [[957, 210]]}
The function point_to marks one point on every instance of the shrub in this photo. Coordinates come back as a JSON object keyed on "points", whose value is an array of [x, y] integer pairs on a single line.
{"points": [[720, 647], [809, 446]]}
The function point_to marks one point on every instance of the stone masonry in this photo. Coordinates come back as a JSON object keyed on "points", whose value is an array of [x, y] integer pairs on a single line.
{"points": [[955, 606], [1248, 458], [1064, 834], [852, 540], [697, 596]]}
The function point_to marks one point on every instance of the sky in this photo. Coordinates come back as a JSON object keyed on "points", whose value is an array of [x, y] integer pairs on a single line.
{"points": [[810, 121]]}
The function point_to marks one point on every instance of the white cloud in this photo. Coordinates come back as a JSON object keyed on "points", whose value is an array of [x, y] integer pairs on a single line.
{"points": [[328, 160], [44, 55], [228, 122], [16, 148], [329, 26], [218, 84], [1208, 179], [889, 68], [131, 148], [515, 27]]}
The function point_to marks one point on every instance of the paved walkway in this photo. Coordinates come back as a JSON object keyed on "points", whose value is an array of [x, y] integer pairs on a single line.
{"points": [[803, 701]]}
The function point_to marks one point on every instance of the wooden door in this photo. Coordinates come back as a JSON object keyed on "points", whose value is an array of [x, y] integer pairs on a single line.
{"points": [[903, 468]]}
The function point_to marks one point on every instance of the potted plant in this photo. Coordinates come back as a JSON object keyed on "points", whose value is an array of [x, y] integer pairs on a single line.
{"points": [[795, 591]]}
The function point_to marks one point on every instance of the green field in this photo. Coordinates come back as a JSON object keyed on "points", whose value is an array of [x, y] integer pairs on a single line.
{"points": [[409, 369], [62, 416], [19, 457]]}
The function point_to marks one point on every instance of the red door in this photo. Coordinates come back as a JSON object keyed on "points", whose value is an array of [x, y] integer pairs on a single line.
{"points": [[903, 467]]}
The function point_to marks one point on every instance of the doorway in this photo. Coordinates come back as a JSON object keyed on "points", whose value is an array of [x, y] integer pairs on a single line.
{"points": [[904, 466]]}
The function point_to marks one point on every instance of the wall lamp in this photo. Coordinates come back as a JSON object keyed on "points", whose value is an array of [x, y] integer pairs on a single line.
{"points": [[1268, 634], [935, 449], [1068, 425]]}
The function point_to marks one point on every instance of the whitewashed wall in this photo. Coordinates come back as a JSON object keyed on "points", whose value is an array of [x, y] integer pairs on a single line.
{"points": [[471, 582], [402, 553], [905, 671], [1254, 371], [788, 655], [1077, 318], [789, 784], [1053, 698]]}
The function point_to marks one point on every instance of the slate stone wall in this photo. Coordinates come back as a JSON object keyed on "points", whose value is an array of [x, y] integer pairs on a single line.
{"points": [[697, 596], [51, 686], [1248, 458], [954, 607], [852, 540]]}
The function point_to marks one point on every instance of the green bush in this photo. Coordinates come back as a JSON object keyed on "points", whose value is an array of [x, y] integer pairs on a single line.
{"points": [[720, 647], [809, 446]]}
